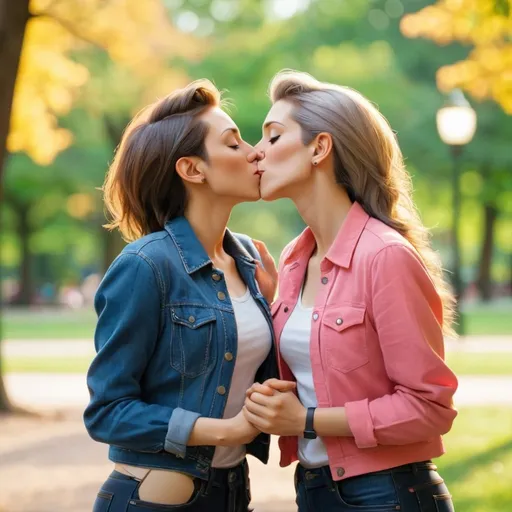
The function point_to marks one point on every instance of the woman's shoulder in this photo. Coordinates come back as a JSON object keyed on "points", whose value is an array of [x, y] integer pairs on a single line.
{"points": [[151, 244], [378, 236]]}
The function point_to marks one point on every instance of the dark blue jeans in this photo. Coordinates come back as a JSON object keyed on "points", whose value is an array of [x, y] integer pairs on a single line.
{"points": [[227, 490], [410, 488]]}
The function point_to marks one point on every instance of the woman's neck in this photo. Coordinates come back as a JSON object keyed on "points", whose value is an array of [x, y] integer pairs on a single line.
{"points": [[323, 205], [209, 222]]}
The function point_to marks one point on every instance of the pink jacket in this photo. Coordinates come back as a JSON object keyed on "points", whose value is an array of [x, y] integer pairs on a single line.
{"points": [[376, 347]]}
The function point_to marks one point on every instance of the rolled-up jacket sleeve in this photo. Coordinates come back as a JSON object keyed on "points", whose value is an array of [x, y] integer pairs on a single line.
{"points": [[128, 304], [407, 314]]}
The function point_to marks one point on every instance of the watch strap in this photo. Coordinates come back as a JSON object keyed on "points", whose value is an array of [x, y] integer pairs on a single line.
{"points": [[309, 430]]}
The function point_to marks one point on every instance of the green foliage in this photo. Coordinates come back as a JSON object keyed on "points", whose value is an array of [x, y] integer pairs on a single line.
{"points": [[355, 43]]}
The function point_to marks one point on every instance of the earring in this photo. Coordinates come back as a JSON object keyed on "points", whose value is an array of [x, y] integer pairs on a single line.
{"points": [[203, 180], [315, 163]]}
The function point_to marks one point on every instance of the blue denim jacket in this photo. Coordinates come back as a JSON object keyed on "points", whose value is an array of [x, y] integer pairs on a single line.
{"points": [[166, 343]]}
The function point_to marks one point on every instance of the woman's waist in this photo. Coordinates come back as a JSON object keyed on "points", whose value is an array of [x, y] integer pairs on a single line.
{"points": [[168, 477], [196, 462], [346, 459]]}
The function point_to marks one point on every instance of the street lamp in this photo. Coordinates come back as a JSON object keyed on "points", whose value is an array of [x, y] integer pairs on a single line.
{"points": [[456, 124]]}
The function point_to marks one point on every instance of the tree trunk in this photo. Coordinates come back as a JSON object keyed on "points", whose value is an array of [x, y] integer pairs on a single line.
{"points": [[112, 245], [14, 15], [112, 242], [484, 271], [510, 283], [13, 20], [26, 293]]}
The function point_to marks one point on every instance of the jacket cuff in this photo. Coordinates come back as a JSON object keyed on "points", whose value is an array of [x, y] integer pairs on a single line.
{"points": [[180, 427], [360, 423]]}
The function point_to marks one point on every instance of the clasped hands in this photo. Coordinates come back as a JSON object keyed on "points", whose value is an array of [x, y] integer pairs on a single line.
{"points": [[274, 408]]}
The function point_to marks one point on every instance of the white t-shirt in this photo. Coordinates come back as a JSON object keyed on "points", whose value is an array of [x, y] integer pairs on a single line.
{"points": [[254, 344], [294, 346]]}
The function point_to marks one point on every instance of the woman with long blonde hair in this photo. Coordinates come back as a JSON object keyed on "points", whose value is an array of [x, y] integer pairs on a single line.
{"points": [[365, 394]]}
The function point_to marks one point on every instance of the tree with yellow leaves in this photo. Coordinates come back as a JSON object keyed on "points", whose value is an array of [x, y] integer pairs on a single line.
{"points": [[484, 24], [40, 80], [136, 34]]}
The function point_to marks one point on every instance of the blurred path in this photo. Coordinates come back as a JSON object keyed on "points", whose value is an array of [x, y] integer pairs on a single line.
{"points": [[50, 391], [50, 464], [78, 348]]}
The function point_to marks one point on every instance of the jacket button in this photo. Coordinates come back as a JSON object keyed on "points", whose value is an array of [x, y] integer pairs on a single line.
{"points": [[228, 356], [221, 390], [325, 280], [339, 321], [340, 472], [286, 309], [191, 319], [216, 277], [221, 295], [315, 316]]}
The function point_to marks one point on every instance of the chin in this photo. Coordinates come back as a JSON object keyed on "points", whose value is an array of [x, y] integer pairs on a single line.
{"points": [[269, 194], [252, 196]]}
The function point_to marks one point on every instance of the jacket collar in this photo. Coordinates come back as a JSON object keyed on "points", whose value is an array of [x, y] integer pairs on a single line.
{"points": [[342, 249], [191, 251]]}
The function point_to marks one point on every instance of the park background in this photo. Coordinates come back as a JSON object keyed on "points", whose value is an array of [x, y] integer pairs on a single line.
{"points": [[72, 75]]}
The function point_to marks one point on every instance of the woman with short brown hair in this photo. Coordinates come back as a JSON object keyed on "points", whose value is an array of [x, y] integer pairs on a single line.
{"points": [[183, 328]]}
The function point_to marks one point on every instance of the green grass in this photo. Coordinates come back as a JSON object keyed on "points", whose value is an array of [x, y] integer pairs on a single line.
{"points": [[488, 321], [461, 364], [473, 363], [46, 364], [50, 324], [492, 319], [478, 462]]}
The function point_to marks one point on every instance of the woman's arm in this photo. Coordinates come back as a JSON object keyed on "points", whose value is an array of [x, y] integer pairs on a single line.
{"points": [[273, 408], [128, 304], [407, 312]]}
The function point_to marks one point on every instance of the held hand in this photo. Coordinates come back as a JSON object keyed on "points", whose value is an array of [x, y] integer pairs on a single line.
{"points": [[271, 385], [279, 414], [266, 274], [241, 431]]}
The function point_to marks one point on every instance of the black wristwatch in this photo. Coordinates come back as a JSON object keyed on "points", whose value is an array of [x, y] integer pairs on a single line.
{"points": [[309, 431]]}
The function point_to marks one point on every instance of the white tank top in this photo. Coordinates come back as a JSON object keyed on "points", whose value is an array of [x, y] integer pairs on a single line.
{"points": [[294, 347], [254, 344]]}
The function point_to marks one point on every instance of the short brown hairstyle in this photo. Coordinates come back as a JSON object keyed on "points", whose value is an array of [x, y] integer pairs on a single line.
{"points": [[142, 190]]}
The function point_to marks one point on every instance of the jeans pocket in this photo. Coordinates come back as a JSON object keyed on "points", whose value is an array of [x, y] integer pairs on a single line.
{"points": [[444, 502], [103, 501], [430, 491], [138, 505], [374, 492]]}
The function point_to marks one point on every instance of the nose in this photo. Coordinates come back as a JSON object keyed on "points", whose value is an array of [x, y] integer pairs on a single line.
{"points": [[255, 156]]}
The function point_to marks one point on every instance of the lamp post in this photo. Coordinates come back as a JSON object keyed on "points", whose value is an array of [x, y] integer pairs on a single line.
{"points": [[456, 124]]}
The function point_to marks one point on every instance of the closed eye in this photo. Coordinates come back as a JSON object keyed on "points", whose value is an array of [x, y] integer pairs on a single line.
{"points": [[236, 146], [274, 139]]}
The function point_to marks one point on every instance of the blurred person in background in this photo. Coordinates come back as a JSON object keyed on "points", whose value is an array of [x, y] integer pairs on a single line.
{"points": [[183, 328], [365, 393]]}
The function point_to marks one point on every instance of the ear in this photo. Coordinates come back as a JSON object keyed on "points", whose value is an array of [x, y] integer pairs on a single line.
{"points": [[322, 147], [189, 169]]}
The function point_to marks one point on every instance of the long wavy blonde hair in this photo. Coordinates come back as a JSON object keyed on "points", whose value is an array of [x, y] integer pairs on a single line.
{"points": [[368, 161]]}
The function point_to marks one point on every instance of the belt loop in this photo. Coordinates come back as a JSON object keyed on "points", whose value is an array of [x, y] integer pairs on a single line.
{"points": [[209, 482], [326, 470]]}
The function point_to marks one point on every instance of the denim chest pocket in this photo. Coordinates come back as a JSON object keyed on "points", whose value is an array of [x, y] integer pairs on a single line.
{"points": [[193, 346], [343, 333]]}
